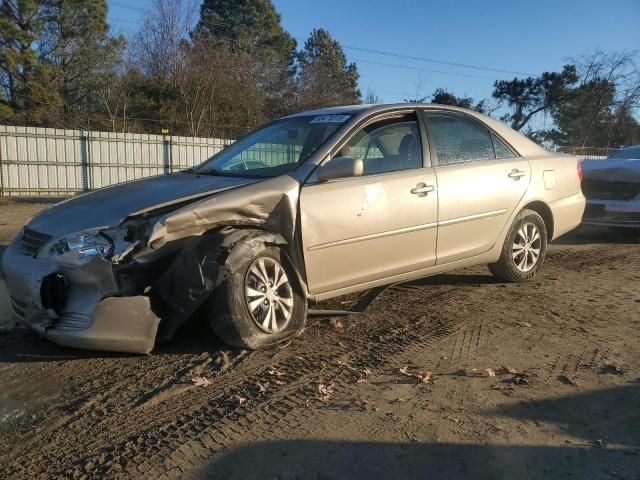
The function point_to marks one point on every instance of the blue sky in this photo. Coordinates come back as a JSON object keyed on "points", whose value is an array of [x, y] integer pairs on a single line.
{"points": [[515, 36]]}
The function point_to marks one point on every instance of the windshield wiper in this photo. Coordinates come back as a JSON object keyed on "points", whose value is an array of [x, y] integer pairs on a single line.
{"points": [[218, 173]]}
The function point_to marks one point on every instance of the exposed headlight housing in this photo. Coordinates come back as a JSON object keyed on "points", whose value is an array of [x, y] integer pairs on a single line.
{"points": [[82, 247]]}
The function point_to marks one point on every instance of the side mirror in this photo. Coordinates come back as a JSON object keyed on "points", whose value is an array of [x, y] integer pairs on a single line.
{"points": [[340, 167]]}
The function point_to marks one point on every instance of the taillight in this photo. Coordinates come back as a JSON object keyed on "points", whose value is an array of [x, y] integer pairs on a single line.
{"points": [[579, 170]]}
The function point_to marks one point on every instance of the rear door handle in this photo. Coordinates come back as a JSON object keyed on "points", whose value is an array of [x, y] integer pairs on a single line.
{"points": [[516, 174], [422, 189]]}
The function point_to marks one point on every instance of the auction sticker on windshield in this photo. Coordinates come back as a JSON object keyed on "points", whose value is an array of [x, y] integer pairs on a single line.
{"points": [[331, 119]]}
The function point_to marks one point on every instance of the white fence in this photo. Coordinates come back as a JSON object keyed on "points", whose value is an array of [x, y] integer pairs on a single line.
{"points": [[53, 162]]}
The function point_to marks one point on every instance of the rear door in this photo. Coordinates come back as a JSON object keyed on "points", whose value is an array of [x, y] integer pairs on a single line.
{"points": [[481, 181], [357, 230]]}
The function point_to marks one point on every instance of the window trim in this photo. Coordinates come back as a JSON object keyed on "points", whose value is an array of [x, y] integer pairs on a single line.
{"points": [[432, 143]]}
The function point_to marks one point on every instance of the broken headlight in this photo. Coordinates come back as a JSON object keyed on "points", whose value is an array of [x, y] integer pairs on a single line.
{"points": [[82, 247]]}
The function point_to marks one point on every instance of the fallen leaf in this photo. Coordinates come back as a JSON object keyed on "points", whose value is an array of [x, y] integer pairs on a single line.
{"points": [[240, 400], [262, 387], [200, 381], [279, 382], [337, 324], [476, 372], [505, 369], [361, 380], [347, 366], [325, 391], [424, 377], [524, 324], [363, 403], [275, 372], [367, 371]]}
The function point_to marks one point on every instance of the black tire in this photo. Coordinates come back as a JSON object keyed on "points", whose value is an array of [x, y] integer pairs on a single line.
{"points": [[505, 268], [226, 311]]}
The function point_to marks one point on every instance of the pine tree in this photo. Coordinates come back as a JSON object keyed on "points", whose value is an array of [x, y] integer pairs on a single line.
{"points": [[325, 76], [26, 96]]}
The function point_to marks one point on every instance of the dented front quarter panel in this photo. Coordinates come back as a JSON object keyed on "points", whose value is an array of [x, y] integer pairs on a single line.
{"points": [[270, 204], [208, 231]]}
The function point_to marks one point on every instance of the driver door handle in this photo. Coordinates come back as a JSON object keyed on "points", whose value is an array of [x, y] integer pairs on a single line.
{"points": [[422, 189], [516, 174]]}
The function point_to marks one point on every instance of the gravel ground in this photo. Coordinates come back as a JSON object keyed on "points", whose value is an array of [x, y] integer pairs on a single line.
{"points": [[334, 403]]}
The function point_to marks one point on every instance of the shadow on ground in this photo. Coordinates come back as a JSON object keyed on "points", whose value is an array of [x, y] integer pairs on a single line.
{"points": [[609, 415], [587, 235], [600, 417], [377, 460], [19, 344]]}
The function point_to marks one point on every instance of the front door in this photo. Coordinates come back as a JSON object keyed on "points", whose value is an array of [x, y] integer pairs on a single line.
{"points": [[362, 229]]}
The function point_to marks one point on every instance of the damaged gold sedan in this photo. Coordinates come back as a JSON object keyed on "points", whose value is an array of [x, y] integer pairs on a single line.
{"points": [[309, 207]]}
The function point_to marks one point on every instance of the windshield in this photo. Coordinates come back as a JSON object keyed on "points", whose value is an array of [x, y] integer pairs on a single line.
{"points": [[626, 153], [275, 149]]}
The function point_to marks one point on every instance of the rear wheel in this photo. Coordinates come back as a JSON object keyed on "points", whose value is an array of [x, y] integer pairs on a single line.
{"points": [[260, 302], [524, 249]]}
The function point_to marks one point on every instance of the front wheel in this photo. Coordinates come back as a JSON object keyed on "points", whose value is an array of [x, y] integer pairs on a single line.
{"points": [[524, 249], [260, 302]]}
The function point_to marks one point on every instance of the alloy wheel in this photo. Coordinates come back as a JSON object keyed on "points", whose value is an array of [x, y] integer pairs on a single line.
{"points": [[527, 246], [268, 295]]}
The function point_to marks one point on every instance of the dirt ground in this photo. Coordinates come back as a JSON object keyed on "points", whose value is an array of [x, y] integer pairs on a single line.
{"points": [[334, 404]]}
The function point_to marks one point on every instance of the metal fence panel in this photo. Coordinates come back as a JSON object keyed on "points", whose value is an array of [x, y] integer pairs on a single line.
{"points": [[53, 162]]}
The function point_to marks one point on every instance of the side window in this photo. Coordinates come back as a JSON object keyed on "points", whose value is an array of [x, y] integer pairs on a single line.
{"points": [[502, 151], [459, 139], [387, 146]]}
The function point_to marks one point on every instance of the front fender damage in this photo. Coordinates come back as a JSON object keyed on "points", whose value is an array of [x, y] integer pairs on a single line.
{"points": [[207, 232]]}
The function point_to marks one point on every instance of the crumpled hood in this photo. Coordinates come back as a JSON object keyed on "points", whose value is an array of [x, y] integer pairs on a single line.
{"points": [[613, 170], [109, 206]]}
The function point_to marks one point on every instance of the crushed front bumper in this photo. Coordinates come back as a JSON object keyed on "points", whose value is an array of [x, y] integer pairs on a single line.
{"points": [[612, 213], [92, 316]]}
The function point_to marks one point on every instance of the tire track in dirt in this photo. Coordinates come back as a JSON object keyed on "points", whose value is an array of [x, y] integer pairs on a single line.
{"points": [[162, 428], [142, 431]]}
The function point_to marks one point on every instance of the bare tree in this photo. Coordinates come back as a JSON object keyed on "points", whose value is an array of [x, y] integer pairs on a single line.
{"points": [[418, 96], [613, 82], [113, 94], [158, 46], [371, 97]]}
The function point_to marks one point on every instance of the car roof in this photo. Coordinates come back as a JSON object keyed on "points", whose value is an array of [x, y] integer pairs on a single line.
{"points": [[353, 109], [517, 140]]}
